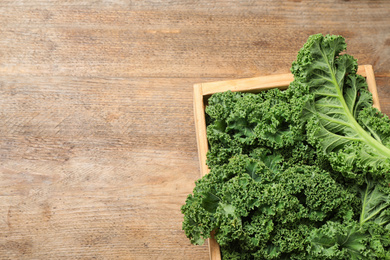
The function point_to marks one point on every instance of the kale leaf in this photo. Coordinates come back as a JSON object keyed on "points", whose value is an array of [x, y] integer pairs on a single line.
{"points": [[339, 95], [297, 174]]}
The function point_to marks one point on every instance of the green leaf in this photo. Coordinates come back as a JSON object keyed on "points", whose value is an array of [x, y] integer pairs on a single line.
{"points": [[338, 95], [272, 162], [210, 202], [374, 205], [252, 168], [339, 241]]}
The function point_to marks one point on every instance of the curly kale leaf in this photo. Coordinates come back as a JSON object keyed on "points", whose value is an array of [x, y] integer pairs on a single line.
{"points": [[300, 173], [375, 204], [339, 241], [339, 94], [349, 240], [366, 238], [262, 210], [241, 122]]}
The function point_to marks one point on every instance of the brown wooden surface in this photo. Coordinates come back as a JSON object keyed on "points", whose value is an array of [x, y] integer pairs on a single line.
{"points": [[97, 137]]}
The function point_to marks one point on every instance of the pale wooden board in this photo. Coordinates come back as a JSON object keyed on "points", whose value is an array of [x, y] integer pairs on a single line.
{"points": [[79, 181], [225, 39], [97, 140]]}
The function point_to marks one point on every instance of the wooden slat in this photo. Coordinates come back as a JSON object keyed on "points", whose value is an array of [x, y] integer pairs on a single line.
{"points": [[370, 78], [200, 125], [214, 249], [259, 83], [201, 138], [249, 84]]}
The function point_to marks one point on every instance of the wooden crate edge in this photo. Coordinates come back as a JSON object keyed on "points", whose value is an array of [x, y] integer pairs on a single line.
{"points": [[201, 139]]}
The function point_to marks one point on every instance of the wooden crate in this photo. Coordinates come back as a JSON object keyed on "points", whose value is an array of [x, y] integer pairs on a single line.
{"points": [[203, 91]]}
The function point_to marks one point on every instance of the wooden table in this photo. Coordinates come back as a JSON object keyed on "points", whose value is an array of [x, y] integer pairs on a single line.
{"points": [[97, 139]]}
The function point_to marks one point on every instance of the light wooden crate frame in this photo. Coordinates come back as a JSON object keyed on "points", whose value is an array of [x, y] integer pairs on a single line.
{"points": [[203, 91]]}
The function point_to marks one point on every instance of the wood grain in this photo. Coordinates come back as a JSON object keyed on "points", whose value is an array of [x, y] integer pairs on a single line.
{"points": [[97, 140]]}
